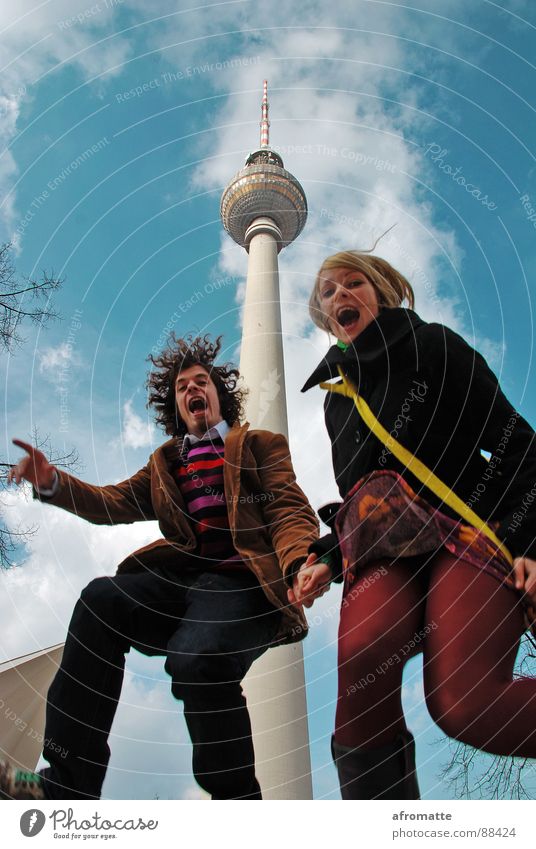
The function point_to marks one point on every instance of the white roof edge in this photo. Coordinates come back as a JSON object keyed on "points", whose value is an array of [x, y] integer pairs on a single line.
{"points": [[17, 661]]}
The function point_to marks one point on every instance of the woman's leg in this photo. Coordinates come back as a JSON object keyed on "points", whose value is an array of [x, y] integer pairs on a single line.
{"points": [[469, 659], [381, 613], [380, 617]]}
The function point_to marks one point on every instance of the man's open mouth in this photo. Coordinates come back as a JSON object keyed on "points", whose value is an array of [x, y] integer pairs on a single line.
{"points": [[197, 404], [347, 316]]}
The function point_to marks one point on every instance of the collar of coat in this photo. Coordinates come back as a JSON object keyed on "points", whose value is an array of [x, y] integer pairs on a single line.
{"points": [[372, 347], [172, 450]]}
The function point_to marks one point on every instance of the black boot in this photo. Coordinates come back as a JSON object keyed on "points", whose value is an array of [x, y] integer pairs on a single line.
{"points": [[387, 772]]}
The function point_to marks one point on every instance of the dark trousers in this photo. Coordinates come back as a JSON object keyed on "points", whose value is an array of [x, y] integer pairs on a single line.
{"points": [[210, 625]]}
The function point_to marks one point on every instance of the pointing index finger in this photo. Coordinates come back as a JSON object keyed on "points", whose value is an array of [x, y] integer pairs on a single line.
{"points": [[25, 446]]}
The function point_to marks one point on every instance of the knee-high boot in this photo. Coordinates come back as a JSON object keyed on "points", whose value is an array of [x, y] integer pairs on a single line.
{"points": [[387, 772]]}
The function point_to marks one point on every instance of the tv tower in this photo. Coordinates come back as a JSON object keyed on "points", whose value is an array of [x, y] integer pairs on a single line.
{"points": [[264, 209]]}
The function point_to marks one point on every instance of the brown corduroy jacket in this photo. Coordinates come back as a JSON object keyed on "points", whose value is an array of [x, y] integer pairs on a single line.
{"points": [[271, 521]]}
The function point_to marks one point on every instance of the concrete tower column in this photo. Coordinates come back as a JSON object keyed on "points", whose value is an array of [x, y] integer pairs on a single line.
{"points": [[275, 687], [263, 209], [261, 354]]}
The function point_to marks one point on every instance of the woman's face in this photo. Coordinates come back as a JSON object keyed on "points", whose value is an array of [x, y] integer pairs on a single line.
{"points": [[349, 302]]}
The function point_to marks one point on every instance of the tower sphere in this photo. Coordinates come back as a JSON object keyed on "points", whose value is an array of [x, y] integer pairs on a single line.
{"points": [[264, 189]]}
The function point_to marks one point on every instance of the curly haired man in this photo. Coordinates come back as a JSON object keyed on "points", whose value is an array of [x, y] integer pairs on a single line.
{"points": [[210, 595]]}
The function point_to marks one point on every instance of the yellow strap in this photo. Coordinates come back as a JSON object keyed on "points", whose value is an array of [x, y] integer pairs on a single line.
{"points": [[420, 470]]}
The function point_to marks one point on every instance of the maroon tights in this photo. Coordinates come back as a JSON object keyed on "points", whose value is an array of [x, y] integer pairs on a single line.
{"points": [[468, 626]]}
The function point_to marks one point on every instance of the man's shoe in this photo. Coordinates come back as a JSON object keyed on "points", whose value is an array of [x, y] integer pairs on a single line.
{"points": [[16, 783]]}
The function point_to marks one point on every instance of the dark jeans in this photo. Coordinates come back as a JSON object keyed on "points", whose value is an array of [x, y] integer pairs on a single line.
{"points": [[210, 625]]}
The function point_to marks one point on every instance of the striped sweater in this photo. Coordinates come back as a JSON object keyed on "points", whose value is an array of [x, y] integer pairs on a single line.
{"points": [[200, 480]]}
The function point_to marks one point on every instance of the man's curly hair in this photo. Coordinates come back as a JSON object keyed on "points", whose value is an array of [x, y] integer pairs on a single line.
{"points": [[181, 354]]}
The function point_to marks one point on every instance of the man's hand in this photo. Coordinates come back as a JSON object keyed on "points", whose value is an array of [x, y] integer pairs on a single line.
{"points": [[525, 577], [310, 582], [34, 467]]}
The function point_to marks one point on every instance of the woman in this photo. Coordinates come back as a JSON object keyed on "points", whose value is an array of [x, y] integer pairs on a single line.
{"points": [[416, 576]]}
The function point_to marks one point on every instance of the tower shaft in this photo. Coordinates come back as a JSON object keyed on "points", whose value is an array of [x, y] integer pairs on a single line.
{"points": [[275, 687], [261, 354], [264, 208]]}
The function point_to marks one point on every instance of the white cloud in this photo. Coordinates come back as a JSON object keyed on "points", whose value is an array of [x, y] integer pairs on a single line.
{"points": [[63, 555], [9, 112], [40, 39], [151, 749], [136, 433], [346, 144], [55, 363]]}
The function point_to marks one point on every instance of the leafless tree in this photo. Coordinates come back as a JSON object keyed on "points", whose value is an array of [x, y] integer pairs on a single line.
{"points": [[23, 300]]}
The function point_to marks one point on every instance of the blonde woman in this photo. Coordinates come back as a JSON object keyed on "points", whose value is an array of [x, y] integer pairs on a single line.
{"points": [[417, 577]]}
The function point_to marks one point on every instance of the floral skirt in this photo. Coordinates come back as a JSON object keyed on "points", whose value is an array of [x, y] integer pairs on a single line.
{"points": [[381, 517]]}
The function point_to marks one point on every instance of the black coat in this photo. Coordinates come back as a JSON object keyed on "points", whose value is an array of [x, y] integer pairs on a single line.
{"points": [[439, 398]]}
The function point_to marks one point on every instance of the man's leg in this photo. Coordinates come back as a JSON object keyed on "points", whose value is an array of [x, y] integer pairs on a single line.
{"points": [[111, 615], [229, 623]]}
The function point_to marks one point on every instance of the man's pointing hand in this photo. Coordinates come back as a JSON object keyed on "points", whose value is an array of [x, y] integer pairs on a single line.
{"points": [[34, 467]]}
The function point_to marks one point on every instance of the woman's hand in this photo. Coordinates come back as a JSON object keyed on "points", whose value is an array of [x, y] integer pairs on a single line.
{"points": [[310, 582], [34, 467], [525, 577]]}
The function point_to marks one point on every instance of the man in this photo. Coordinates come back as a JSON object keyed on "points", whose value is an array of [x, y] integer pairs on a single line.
{"points": [[210, 595]]}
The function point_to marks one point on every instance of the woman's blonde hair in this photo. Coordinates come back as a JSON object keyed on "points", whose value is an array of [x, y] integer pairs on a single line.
{"points": [[391, 286]]}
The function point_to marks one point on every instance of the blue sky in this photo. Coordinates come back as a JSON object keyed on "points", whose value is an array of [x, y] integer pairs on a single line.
{"points": [[120, 125]]}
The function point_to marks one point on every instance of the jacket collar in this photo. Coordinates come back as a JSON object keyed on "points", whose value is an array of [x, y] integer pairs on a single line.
{"points": [[174, 447], [371, 348]]}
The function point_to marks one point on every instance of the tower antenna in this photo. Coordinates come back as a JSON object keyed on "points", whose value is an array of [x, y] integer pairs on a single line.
{"points": [[265, 123]]}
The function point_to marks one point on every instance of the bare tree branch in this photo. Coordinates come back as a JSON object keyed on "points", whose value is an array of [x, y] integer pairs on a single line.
{"points": [[26, 300], [18, 302]]}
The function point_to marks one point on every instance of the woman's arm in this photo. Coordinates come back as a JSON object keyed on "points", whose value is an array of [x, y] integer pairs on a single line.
{"points": [[481, 410]]}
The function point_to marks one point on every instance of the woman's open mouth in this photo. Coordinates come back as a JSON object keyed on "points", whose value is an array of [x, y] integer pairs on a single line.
{"points": [[347, 316]]}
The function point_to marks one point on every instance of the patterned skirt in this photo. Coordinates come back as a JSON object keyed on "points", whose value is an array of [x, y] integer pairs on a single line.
{"points": [[382, 518]]}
